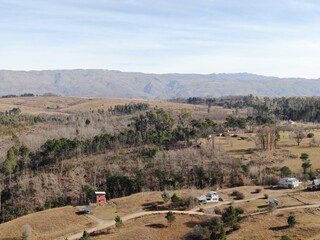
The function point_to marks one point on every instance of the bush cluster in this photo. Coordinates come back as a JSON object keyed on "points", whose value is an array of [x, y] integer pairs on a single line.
{"points": [[238, 195]]}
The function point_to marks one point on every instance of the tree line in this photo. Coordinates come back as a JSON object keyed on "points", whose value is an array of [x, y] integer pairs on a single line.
{"points": [[284, 108], [129, 108]]}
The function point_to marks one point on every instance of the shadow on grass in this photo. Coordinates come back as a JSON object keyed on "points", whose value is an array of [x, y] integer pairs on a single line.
{"points": [[243, 151], [154, 206], [107, 231], [263, 206], [191, 224], [156, 225], [280, 228]]}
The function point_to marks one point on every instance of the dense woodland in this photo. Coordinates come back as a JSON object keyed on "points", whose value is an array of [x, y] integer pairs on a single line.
{"points": [[284, 108], [134, 148]]}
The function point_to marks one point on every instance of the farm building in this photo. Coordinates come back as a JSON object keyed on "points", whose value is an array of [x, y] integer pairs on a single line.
{"points": [[101, 197], [289, 183]]}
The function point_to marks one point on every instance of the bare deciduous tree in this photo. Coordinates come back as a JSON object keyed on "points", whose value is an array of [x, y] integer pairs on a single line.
{"points": [[26, 232], [299, 135], [267, 137]]}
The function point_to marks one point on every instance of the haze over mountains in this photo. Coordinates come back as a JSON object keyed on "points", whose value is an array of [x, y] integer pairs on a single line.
{"points": [[116, 84]]}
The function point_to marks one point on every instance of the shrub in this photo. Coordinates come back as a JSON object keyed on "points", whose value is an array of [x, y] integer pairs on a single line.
{"points": [[236, 227], [170, 217], [245, 169], [118, 221], [85, 236], [238, 195], [285, 171], [266, 196], [218, 211], [291, 220], [285, 237], [176, 201], [239, 210], [230, 216], [258, 190], [165, 196], [310, 135]]}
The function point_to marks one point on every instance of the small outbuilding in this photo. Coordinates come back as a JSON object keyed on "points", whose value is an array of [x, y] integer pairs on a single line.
{"points": [[101, 198]]}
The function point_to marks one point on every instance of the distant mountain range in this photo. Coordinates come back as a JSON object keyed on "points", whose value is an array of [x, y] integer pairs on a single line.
{"points": [[116, 84]]}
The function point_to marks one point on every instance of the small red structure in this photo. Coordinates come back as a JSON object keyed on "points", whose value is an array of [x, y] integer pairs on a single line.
{"points": [[101, 197]]}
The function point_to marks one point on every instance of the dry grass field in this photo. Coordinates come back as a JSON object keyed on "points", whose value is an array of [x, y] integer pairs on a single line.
{"points": [[289, 199], [266, 226], [67, 105], [153, 227], [108, 212], [288, 152], [269, 226], [139, 202], [47, 224], [272, 226]]}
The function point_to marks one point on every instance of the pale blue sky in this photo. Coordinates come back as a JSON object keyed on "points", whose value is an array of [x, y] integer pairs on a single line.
{"points": [[270, 37]]}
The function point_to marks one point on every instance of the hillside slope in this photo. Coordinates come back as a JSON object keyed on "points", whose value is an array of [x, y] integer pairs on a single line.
{"points": [[116, 84], [47, 224]]}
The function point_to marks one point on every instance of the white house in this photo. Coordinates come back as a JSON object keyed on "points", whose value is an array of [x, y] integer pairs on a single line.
{"points": [[210, 197], [289, 182]]}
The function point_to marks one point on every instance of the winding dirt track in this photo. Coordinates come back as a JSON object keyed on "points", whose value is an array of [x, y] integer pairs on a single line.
{"points": [[101, 224]]}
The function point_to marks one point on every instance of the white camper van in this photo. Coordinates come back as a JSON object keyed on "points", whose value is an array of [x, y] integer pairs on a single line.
{"points": [[289, 183]]}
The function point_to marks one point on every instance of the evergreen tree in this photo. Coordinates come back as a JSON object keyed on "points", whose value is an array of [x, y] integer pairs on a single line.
{"points": [[291, 220], [85, 236], [165, 196], [118, 222], [230, 216], [10, 163], [305, 162], [170, 217]]}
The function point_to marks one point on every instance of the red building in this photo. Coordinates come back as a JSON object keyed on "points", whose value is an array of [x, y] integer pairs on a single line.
{"points": [[101, 197]]}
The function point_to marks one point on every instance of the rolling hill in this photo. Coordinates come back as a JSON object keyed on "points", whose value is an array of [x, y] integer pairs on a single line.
{"points": [[116, 84]]}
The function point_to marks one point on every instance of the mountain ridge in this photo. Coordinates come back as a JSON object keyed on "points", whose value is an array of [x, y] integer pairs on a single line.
{"points": [[118, 84]]}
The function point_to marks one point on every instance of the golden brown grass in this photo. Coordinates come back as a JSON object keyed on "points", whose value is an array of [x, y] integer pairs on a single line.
{"points": [[266, 226], [274, 225], [291, 199], [137, 202], [47, 224], [65, 105], [243, 149], [153, 227], [108, 212]]}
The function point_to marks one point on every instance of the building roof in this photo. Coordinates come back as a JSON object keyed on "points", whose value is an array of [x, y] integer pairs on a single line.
{"points": [[100, 192]]}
